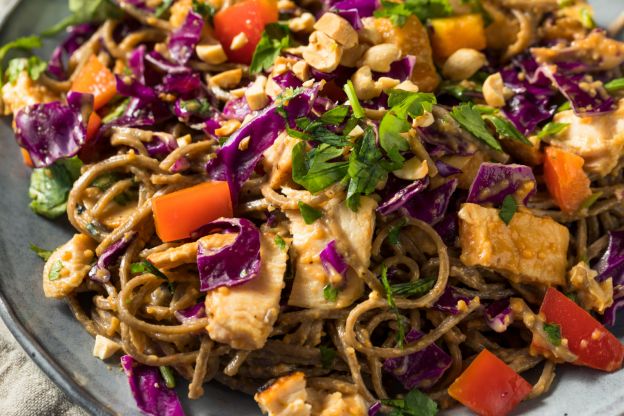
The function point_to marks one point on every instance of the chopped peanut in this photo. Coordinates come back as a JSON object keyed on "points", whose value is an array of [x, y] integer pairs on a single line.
{"points": [[463, 64], [255, 95], [494, 90], [303, 23], [226, 79], [211, 54], [301, 70], [227, 127], [338, 29], [379, 57], [239, 41], [322, 53], [365, 87]]}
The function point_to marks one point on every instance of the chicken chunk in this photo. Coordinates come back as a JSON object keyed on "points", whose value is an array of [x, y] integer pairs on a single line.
{"points": [[529, 250], [68, 265], [187, 253], [24, 92], [277, 161], [599, 140], [285, 397], [243, 316], [288, 396], [592, 295], [310, 239]]}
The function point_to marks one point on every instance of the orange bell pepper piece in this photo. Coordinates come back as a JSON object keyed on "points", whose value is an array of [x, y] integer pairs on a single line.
{"points": [[565, 179], [94, 78]]}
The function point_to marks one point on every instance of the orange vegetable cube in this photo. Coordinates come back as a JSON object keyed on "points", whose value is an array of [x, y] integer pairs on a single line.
{"points": [[180, 213], [565, 179], [450, 34], [93, 125], [95, 78]]}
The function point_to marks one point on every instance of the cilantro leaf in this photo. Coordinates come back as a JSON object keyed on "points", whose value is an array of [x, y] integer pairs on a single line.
{"points": [[349, 89], [26, 43], [146, 266], [205, 9], [334, 116], [314, 170], [400, 337], [308, 213], [279, 242], [591, 200], [415, 403], [328, 355], [553, 331], [398, 13], [41, 252], [416, 288], [164, 6], [506, 129], [330, 292], [614, 85], [86, 11], [508, 209], [34, 66], [552, 129], [274, 38], [471, 120], [55, 271], [49, 187]]}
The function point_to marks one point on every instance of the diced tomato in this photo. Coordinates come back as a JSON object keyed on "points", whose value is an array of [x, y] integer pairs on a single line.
{"points": [[93, 125], [180, 213], [95, 78], [565, 179], [489, 387], [594, 345], [26, 156], [248, 17]]}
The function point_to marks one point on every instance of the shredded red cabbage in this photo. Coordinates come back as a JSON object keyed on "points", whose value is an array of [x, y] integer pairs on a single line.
{"points": [[494, 181], [77, 35], [99, 272], [331, 259], [611, 264], [448, 301], [430, 206], [184, 39], [403, 196], [191, 313], [498, 315]]}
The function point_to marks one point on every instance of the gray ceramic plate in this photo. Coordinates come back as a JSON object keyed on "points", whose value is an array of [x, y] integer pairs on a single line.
{"points": [[49, 334]]}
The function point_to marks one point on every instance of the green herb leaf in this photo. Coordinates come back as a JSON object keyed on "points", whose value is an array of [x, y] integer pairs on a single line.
{"points": [[41, 252], [553, 331], [167, 374], [106, 180], [55, 270], [146, 266], [49, 187], [328, 355], [164, 6], [457, 91], [415, 403], [393, 234], [280, 243], [591, 200], [33, 66], [614, 85], [330, 292], [200, 107], [423, 9], [205, 9], [349, 89], [471, 120], [308, 213], [313, 170], [587, 20], [564, 107], [572, 296], [400, 337], [86, 11], [334, 116], [25, 43], [116, 111], [552, 129], [508, 209], [416, 288], [506, 129], [274, 38]]}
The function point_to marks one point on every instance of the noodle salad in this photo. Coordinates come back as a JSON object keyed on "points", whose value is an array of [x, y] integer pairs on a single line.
{"points": [[351, 207]]}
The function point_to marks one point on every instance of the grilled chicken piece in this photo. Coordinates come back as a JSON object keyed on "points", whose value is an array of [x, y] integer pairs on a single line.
{"points": [[599, 140], [529, 250], [242, 316], [24, 92], [187, 253], [308, 242], [288, 396], [277, 161], [68, 265]]}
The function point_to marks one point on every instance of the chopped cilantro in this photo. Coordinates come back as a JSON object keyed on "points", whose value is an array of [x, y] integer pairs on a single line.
{"points": [[349, 89], [328, 355], [334, 116], [34, 66], [274, 38], [591, 200], [308, 213], [415, 403], [506, 129], [206, 9], [41, 252], [615, 85], [400, 336], [553, 331], [508, 209], [49, 187], [471, 120], [587, 20], [330, 292], [399, 12], [86, 11], [416, 288], [552, 129], [316, 169], [146, 266], [55, 270], [280, 243], [393, 235], [164, 6]]}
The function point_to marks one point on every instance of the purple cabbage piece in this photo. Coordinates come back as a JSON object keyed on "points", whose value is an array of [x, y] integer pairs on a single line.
{"points": [[374, 409], [611, 264], [340, 75], [161, 145], [235, 165], [191, 313], [430, 206], [445, 138], [186, 85], [53, 131], [448, 227], [236, 109], [448, 301], [136, 63], [99, 272], [331, 259], [159, 62], [610, 314], [130, 87], [352, 16], [403, 196], [365, 8], [401, 69], [421, 369], [498, 315], [233, 264], [180, 165], [150, 392], [184, 39], [494, 181], [77, 35], [445, 170], [287, 80]]}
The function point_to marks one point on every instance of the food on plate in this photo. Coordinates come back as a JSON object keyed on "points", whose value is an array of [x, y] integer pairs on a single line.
{"points": [[340, 207]]}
